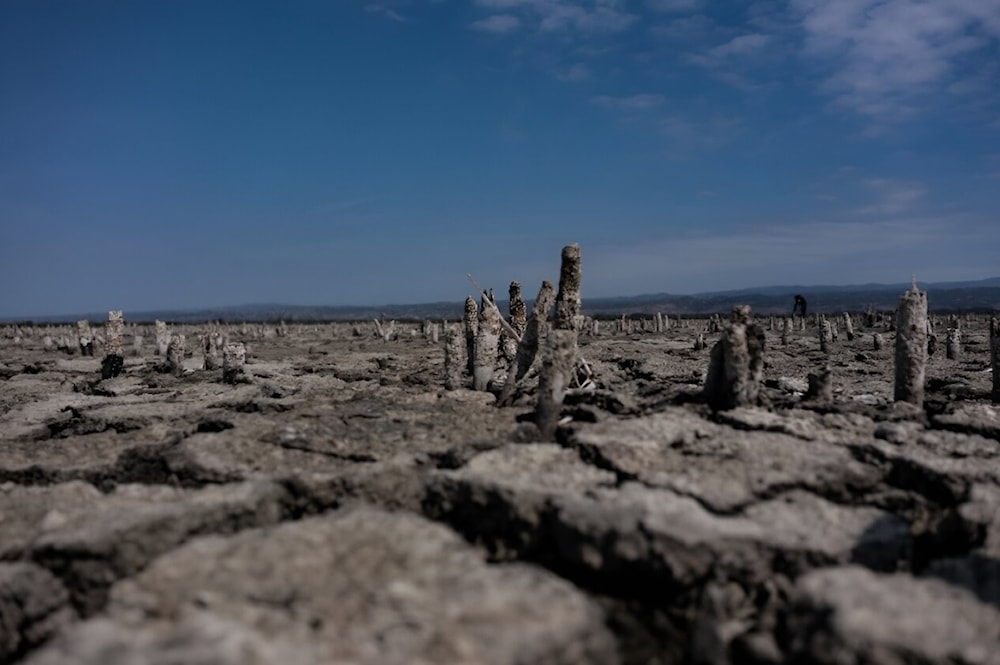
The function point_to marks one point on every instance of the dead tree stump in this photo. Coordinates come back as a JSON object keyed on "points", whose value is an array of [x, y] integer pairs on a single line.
{"points": [[825, 334], [455, 361], [559, 362], [470, 322], [911, 347], [175, 355], [848, 327], [518, 320], [528, 348], [234, 357], [85, 337], [953, 344], [113, 363], [820, 386], [736, 365], [162, 339], [487, 343]]}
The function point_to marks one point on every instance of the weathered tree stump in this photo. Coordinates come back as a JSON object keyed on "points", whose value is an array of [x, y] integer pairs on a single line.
{"points": [[162, 338], [234, 358], [559, 362], [85, 337], [470, 323], [736, 365], [953, 344], [486, 347], [848, 326], [175, 355], [528, 348], [911, 347], [113, 363], [877, 341], [212, 348], [455, 360], [825, 334], [820, 386], [518, 321]]}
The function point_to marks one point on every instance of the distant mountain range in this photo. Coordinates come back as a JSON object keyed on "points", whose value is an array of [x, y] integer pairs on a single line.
{"points": [[981, 296]]}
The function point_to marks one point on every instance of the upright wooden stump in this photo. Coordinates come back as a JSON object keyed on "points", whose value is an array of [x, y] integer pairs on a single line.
{"points": [[849, 326], [953, 343], [534, 330], [559, 361], [487, 343], [113, 363], [736, 365], [85, 337], [213, 350], [470, 323], [911, 347], [234, 357], [518, 321], [455, 361], [825, 334], [175, 355], [162, 338]]}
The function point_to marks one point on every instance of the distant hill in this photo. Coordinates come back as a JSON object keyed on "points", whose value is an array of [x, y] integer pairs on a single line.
{"points": [[981, 296]]}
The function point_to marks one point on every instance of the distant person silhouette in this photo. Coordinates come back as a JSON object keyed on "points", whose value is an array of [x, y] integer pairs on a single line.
{"points": [[800, 306]]}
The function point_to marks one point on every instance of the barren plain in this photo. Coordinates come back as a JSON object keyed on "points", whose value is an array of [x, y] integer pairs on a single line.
{"points": [[341, 506]]}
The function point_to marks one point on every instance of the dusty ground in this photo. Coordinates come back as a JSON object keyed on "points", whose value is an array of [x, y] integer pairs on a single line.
{"points": [[342, 507]]}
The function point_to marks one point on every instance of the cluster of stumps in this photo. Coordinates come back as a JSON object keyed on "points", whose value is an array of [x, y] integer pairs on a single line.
{"points": [[486, 342]]}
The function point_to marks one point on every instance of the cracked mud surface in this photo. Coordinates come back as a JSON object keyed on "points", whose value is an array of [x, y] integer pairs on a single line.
{"points": [[341, 506]]}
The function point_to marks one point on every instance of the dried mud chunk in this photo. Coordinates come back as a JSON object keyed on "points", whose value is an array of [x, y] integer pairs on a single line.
{"points": [[852, 615], [357, 586], [33, 606]]}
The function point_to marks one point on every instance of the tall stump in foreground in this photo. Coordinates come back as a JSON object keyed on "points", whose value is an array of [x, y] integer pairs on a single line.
{"points": [[911, 347], [487, 344], [736, 366], [559, 360], [114, 359]]}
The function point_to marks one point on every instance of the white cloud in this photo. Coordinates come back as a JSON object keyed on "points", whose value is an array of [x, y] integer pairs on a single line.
{"points": [[640, 102], [575, 73], [675, 6], [737, 47], [497, 23], [881, 56], [579, 16], [892, 196], [810, 252], [387, 12]]}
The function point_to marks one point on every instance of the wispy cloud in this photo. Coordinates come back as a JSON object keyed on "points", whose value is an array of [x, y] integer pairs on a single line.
{"points": [[497, 23], [568, 16], [640, 102], [387, 12], [575, 73], [882, 56], [892, 197], [675, 6], [811, 252]]}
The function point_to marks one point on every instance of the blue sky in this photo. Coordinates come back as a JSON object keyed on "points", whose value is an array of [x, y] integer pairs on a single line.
{"points": [[189, 153]]}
